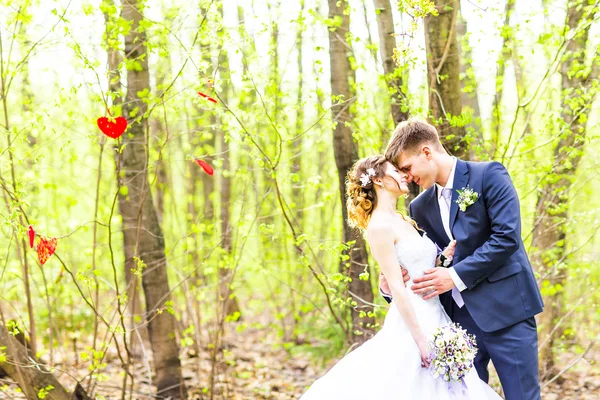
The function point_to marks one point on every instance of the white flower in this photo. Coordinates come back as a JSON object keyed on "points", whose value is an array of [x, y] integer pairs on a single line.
{"points": [[452, 351], [466, 197], [365, 179]]}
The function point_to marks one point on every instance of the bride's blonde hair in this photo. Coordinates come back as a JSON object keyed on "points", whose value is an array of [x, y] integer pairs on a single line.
{"points": [[361, 200]]}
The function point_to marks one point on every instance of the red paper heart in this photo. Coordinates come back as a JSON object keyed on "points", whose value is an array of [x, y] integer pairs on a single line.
{"points": [[207, 97], [112, 129], [45, 249], [207, 168], [31, 233]]}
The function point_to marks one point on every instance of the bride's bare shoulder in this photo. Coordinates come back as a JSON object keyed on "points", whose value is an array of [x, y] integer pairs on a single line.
{"points": [[378, 228]]}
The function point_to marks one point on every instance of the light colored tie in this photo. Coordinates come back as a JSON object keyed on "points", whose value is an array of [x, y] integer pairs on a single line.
{"points": [[447, 195]]}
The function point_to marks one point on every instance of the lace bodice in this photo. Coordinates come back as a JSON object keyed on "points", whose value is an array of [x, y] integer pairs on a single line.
{"points": [[416, 254]]}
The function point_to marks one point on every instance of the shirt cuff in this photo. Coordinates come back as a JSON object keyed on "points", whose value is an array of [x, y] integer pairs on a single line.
{"points": [[384, 294], [460, 285]]}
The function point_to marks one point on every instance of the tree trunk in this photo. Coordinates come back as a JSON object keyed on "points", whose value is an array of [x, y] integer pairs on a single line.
{"points": [[159, 132], [141, 231], [346, 153], [503, 57], [192, 245], [550, 233], [27, 94], [32, 377], [296, 149], [22, 246], [163, 178], [134, 304], [393, 75], [443, 74], [231, 304], [208, 150], [297, 153], [321, 151], [196, 185], [469, 98], [28, 98]]}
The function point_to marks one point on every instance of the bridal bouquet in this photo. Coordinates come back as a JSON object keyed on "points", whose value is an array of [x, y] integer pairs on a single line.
{"points": [[452, 353]]}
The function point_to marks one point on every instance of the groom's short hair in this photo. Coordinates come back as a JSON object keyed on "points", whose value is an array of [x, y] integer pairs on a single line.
{"points": [[409, 136]]}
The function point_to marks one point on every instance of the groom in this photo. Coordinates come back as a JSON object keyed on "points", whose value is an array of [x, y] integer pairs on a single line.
{"points": [[489, 287]]}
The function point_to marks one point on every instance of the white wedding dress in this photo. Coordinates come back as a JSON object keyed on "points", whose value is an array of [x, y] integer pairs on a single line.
{"points": [[388, 366]]}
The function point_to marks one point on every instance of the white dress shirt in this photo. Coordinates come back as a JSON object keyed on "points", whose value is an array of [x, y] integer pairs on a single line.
{"points": [[445, 214]]}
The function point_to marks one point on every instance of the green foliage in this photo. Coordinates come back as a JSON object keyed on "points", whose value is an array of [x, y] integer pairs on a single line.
{"points": [[285, 260], [43, 392]]}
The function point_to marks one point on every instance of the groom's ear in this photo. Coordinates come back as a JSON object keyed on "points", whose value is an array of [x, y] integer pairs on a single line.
{"points": [[426, 150]]}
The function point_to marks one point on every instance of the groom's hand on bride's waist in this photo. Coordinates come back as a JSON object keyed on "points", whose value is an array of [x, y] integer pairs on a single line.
{"points": [[384, 286], [435, 282]]}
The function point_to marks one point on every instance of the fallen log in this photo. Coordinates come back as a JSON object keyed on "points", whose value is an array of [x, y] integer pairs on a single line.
{"points": [[17, 363]]}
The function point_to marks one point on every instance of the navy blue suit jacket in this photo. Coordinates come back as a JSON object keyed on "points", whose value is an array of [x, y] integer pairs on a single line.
{"points": [[490, 257]]}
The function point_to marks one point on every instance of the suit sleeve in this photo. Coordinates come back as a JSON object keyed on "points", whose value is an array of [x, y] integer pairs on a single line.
{"points": [[460, 285], [503, 210], [386, 297]]}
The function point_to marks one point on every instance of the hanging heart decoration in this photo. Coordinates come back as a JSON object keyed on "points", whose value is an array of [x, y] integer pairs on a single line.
{"points": [[112, 129], [45, 249], [31, 233], [207, 97], [205, 166]]}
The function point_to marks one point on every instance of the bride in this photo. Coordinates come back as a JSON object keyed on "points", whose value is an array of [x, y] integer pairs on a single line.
{"points": [[393, 364]]}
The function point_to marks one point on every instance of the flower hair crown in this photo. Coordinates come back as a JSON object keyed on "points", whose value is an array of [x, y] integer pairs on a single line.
{"points": [[365, 179]]}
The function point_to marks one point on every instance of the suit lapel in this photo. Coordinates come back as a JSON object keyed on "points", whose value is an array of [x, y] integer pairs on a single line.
{"points": [[434, 216], [461, 178]]}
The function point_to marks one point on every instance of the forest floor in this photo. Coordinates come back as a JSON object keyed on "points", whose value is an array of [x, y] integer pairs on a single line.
{"points": [[262, 371], [253, 368]]}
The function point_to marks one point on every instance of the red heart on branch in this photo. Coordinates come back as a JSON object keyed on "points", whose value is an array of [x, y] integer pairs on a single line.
{"points": [[207, 97], [31, 233], [112, 129], [45, 249], [207, 168]]}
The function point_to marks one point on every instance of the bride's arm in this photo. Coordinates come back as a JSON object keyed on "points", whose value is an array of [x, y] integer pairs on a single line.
{"points": [[381, 240]]}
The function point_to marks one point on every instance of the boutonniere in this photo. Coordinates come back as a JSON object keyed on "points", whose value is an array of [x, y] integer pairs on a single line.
{"points": [[466, 197]]}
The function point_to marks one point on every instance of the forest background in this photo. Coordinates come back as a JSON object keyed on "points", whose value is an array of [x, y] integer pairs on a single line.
{"points": [[170, 280]]}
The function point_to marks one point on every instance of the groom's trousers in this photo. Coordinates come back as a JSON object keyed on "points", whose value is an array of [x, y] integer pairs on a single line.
{"points": [[513, 351]]}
